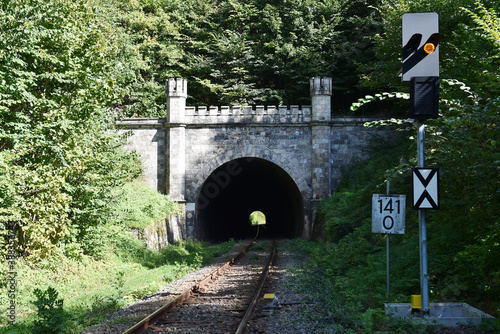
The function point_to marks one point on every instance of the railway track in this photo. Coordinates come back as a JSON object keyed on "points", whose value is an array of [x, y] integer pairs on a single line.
{"points": [[222, 302]]}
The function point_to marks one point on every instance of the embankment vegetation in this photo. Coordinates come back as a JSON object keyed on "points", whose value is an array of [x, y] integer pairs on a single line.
{"points": [[464, 235], [71, 291]]}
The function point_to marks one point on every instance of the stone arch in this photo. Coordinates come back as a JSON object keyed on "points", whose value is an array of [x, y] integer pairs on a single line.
{"points": [[287, 199], [249, 152]]}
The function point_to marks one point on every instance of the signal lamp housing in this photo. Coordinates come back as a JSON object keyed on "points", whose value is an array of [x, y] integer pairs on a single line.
{"points": [[424, 97]]}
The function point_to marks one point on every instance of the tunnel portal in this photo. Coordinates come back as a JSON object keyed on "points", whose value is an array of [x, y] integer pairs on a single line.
{"points": [[239, 187]]}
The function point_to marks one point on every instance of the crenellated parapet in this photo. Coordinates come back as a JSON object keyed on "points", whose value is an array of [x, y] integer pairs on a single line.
{"points": [[248, 114], [318, 112]]}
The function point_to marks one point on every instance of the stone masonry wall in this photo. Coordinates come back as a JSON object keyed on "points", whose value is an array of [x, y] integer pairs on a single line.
{"points": [[147, 138], [215, 136], [211, 146], [350, 139], [280, 135]]}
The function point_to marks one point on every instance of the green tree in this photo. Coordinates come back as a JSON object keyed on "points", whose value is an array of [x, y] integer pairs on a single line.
{"points": [[248, 52], [63, 64], [152, 27], [465, 234]]}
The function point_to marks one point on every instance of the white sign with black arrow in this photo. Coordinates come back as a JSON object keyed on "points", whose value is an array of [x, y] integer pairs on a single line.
{"points": [[425, 188]]}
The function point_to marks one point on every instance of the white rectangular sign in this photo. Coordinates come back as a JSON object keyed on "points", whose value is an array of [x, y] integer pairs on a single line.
{"points": [[388, 214], [418, 30], [425, 188]]}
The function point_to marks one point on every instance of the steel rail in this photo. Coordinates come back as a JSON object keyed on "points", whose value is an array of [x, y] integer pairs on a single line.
{"points": [[141, 326], [243, 324]]}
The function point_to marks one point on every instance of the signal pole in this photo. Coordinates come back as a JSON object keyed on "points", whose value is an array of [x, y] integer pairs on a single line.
{"points": [[422, 226], [420, 56]]}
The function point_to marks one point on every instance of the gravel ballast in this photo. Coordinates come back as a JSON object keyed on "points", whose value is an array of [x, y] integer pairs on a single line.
{"points": [[284, 316]]}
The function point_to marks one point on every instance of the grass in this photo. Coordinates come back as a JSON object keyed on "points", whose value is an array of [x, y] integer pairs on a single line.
{"points": [[93, 288], [342, 305]]}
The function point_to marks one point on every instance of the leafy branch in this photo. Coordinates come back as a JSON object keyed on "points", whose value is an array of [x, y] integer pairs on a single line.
{"points": [[487, 21], [378, 97]]}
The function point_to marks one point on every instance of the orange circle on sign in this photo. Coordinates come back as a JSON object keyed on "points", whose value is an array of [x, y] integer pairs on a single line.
{"points": [[429, 48]]}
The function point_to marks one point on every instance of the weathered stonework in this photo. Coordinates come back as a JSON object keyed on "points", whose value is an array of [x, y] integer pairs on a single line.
{"points": [[162, 233], [183, 150], [147, 137], [349, 139]]}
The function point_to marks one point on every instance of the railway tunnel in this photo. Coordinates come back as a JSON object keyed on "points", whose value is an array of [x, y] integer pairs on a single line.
{"points": [[239, 187]]}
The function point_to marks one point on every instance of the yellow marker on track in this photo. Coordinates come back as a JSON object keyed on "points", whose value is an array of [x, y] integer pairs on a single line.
{"points": [[269, 296]]}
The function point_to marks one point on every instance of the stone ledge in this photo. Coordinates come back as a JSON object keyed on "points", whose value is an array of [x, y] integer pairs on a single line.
{"points": [[141, 123], [447, 314]]}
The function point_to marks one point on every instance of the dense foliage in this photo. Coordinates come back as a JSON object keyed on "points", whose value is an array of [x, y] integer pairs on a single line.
{"points": [[464, 235], [141, 206], [62, 65], [248, 52]]}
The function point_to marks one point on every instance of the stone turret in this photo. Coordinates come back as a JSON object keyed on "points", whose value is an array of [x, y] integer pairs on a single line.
{"points": [[176, 91], [321, 93]]}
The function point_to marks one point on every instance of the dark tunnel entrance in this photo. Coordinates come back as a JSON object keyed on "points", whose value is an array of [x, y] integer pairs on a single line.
{"points": [[236, 189]]}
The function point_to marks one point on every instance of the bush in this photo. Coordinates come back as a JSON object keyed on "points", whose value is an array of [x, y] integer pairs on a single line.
{"points": [[62, 67], [140, 205], [50, 312]]}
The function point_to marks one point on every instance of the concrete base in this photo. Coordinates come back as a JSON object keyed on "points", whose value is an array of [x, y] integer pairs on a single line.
{"points": [[447, 314]]}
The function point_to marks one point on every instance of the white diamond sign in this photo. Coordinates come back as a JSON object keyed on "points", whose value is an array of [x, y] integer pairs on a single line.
{"points": [[425, 188]]}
